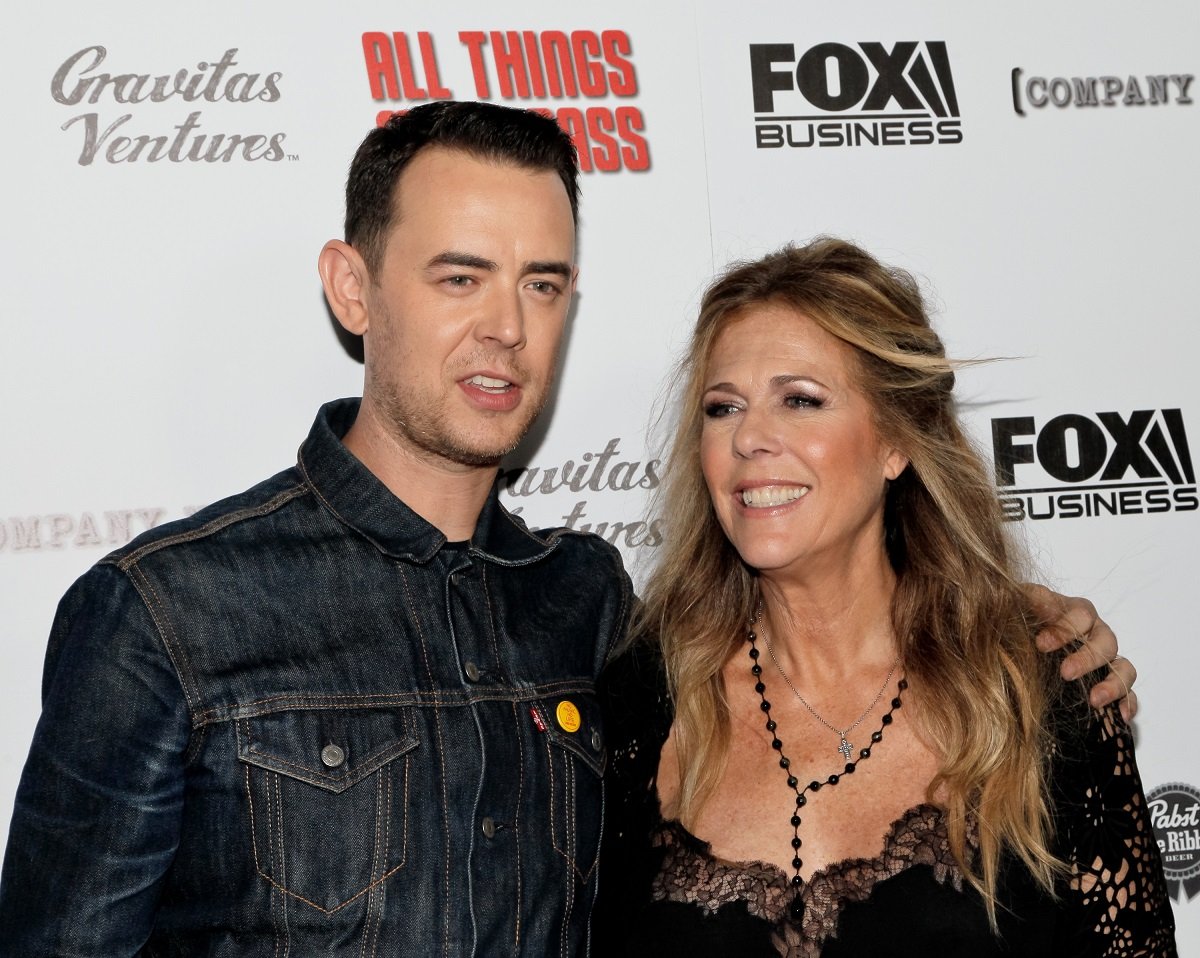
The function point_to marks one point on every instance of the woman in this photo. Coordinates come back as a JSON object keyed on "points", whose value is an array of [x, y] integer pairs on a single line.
{"points": [[842, 740]]}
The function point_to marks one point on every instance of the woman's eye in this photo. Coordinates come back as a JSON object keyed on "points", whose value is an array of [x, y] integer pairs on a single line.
{"points": [[715, 410], [803, 401]]}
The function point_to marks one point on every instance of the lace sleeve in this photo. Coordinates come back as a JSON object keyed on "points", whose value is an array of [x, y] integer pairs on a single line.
{"points": [[1115, 896]]}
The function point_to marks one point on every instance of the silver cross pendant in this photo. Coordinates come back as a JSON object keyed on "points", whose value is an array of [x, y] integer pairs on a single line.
{"points": [[845, 748]]}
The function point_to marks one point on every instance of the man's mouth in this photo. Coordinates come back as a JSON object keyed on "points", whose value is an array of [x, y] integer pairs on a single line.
{"points": [[488, 384], [764, 497]]}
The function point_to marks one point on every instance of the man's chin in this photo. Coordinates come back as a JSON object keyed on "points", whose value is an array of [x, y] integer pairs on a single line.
{"points": [[476, 458], [473, 441], [487, 452]]}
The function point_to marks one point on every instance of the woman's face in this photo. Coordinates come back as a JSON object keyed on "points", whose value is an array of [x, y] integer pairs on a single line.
{"points": [[789, 449]]}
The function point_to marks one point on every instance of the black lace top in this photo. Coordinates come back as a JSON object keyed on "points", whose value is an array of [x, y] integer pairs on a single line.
{"points": [[663, 892]]}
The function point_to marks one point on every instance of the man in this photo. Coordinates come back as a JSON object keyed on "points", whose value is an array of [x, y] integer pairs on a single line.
{"points": [[350, 711]]}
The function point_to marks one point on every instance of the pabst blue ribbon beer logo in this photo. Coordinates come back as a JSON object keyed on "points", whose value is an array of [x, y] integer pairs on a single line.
{"points": [[862, 94], [1175, 817], [1073, 466]]}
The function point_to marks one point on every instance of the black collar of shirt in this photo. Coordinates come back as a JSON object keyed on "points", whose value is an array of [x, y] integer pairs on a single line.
{"points": [[352, 493]]}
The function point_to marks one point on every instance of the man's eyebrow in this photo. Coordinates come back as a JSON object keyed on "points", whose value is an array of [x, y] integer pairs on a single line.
{"points": [[555, 267], [472, 261], [466, 260]]}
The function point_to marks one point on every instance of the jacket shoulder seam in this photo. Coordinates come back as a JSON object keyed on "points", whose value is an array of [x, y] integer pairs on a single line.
{"points": [[166, 636], [126, 562]]}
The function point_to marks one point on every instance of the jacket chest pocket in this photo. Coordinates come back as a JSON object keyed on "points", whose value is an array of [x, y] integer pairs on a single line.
{"points": [[575, 753], [327, 794]]}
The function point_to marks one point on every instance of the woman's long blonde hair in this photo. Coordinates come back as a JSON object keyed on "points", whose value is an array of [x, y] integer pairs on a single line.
{"points": [[962, 622]]}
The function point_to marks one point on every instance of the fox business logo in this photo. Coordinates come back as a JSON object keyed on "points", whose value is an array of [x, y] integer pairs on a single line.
{"points": [[865, 95], [1088, 461]]}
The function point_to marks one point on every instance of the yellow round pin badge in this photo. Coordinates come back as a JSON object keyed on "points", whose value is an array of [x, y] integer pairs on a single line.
{"points": [[568, 716]]}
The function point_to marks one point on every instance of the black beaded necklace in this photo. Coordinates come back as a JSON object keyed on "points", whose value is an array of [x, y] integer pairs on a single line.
{"points": [[797, 907]]}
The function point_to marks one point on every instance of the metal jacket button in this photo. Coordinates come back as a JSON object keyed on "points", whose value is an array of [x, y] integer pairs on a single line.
{"points": [[472, 671], [597, 741], [489, 827], [332, 756]]}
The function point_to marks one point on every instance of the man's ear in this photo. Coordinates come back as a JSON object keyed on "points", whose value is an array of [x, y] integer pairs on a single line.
{"points": [[345, 278]]}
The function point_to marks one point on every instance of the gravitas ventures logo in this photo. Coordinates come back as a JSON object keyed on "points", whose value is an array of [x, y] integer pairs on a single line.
{"points": [[867, 94], [117, 103], [1075, 466]]}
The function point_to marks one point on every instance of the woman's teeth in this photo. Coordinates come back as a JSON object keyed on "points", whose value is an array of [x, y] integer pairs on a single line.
{"points": [[765, 496]]}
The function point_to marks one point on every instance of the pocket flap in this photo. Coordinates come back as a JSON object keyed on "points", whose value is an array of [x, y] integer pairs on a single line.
{"points": [[331, 749], [573, 722]]}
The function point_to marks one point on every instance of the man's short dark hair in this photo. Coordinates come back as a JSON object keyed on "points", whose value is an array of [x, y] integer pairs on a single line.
{"points": [[484, 130]]}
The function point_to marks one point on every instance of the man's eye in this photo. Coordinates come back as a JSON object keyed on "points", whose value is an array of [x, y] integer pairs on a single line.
{"points": [[544, 286], [459, 280]]}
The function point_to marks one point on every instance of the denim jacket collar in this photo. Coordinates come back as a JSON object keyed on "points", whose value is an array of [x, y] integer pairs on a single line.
{"points": [[350, 491]]}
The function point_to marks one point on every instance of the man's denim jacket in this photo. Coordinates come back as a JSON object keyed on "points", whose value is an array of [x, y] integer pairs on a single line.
{"points": [[297, 723]]}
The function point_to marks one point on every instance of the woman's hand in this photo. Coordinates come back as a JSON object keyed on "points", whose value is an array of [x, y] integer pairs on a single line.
{"points": [[1073, 620]]}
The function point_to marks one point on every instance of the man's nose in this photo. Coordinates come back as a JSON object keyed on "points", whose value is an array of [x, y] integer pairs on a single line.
{"points": [[503, 321]]}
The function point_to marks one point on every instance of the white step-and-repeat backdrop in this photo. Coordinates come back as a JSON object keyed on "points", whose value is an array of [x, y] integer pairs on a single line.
{"points": [[169, 176]]}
